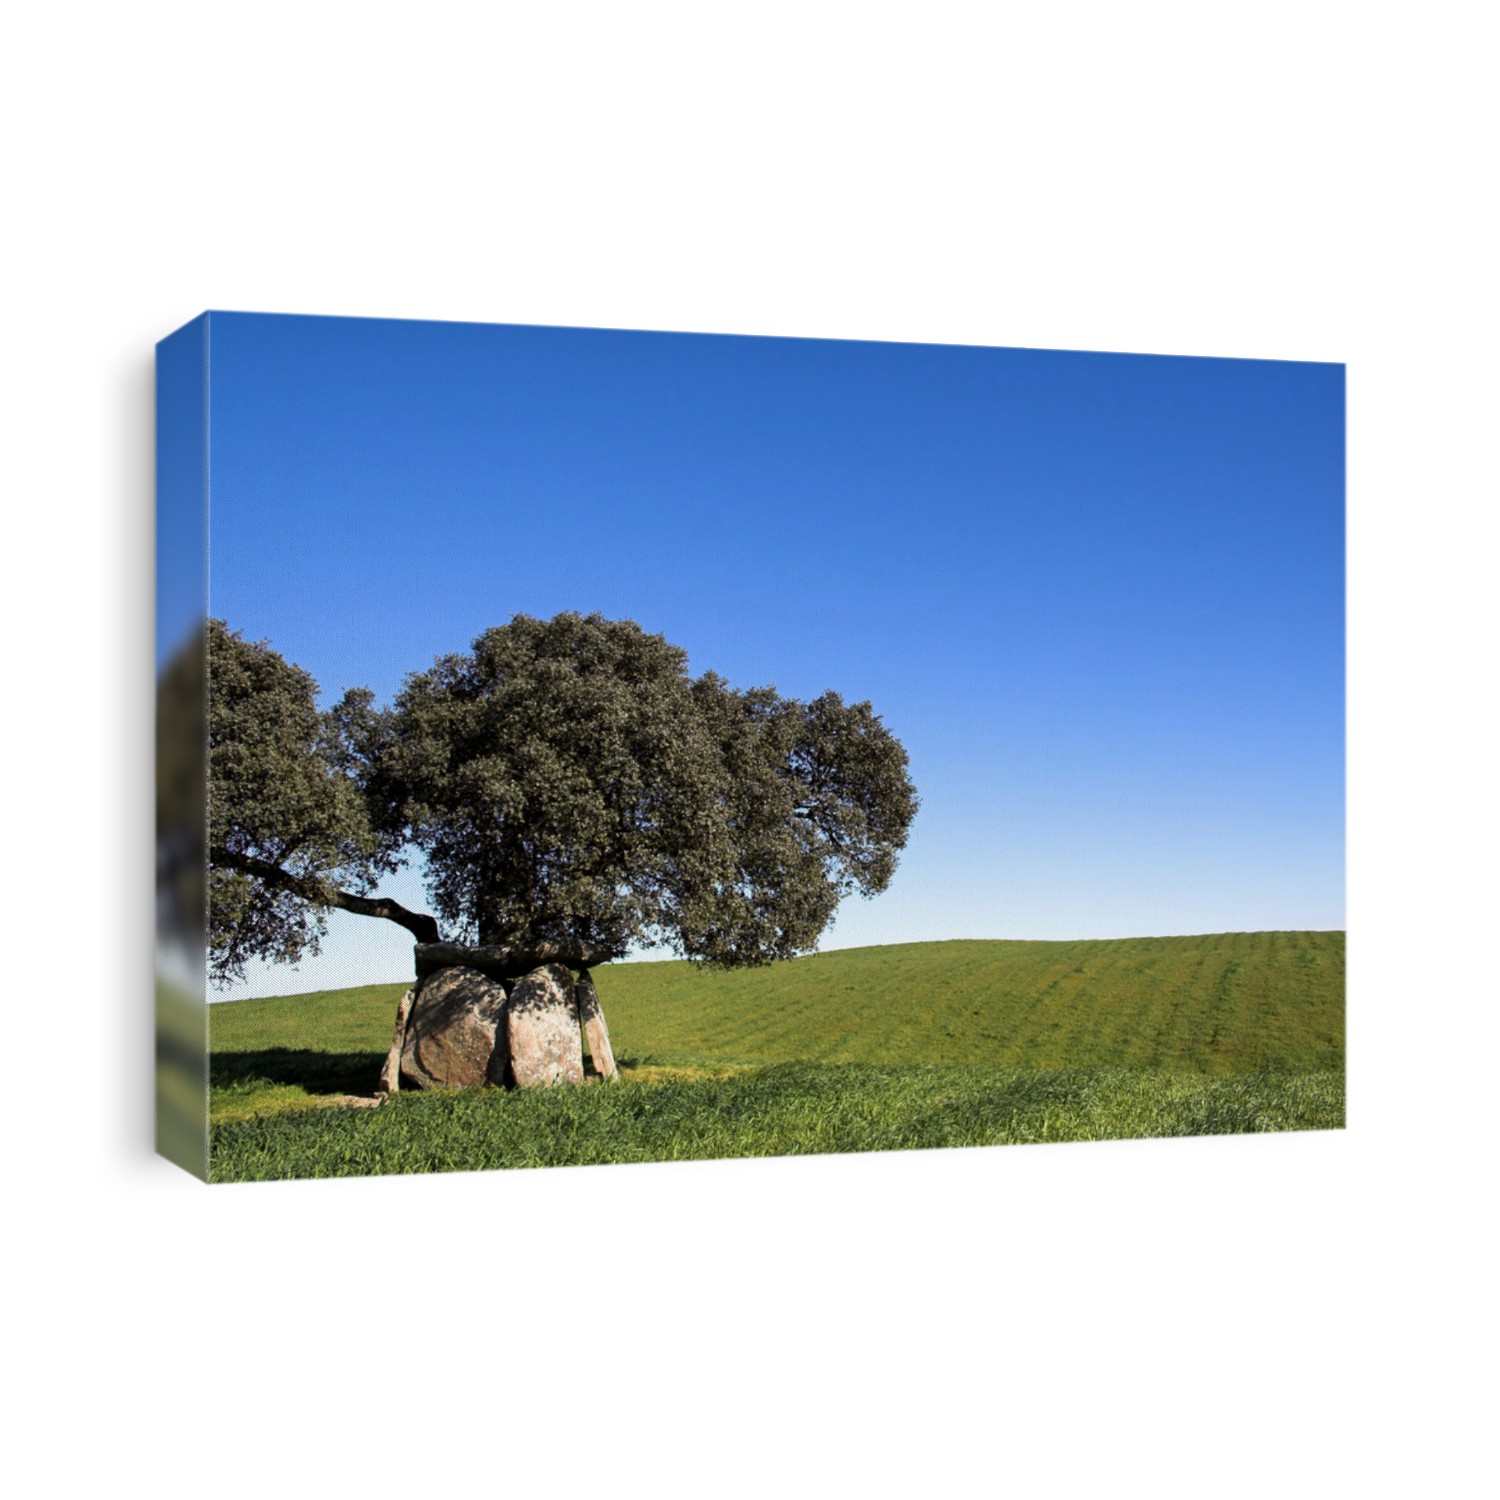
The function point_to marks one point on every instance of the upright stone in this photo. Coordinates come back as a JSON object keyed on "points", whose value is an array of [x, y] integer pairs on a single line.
{"points": [[390, 1074], [455, 1034], [594, 1029], [545, 1045]]}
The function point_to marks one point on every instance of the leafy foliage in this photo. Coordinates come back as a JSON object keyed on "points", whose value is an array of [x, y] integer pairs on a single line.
{"points": [[567, 781], [814, 804], [287, 820], [181, 788]]}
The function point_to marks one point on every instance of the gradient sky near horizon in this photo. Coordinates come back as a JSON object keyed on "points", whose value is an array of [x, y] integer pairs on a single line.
{"points": [[1098, 597]]}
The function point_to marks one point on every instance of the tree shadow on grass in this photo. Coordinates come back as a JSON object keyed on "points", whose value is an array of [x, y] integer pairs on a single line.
{"points": [[316, 1072]]}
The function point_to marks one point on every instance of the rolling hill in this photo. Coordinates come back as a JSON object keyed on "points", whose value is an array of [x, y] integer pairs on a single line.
{"points": [[923, 1043]]}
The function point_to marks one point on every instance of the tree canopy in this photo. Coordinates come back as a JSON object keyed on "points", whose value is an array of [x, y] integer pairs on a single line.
{"points": [[289, 831], [569, 784]]}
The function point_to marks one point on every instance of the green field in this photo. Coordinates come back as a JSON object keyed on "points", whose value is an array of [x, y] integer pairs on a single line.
{"points": [[924, 1044]]}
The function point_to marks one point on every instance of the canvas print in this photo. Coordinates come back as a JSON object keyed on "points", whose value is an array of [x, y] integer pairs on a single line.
{"points": [[585, 746]]}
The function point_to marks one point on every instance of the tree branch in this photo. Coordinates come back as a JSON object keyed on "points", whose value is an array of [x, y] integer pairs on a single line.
{"points": [[422, 927]]}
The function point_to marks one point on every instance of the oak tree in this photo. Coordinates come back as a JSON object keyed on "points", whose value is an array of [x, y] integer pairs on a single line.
{"points": [[574, 791]]}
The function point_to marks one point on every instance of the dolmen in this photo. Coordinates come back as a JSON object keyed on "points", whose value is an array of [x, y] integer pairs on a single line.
{"points": [[469, 1021]]}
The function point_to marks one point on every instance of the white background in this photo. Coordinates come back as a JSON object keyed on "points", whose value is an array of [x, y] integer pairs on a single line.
{"points": [[1291, 1315]]}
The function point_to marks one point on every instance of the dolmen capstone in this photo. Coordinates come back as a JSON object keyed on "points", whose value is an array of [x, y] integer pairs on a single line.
{"points": [[459, 1027]]}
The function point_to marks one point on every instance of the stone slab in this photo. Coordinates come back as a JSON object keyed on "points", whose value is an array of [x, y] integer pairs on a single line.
{"points": [[546, 1046], [456, 1035]]}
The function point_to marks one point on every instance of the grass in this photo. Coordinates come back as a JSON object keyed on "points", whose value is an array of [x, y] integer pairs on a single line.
{"points": [[914, 1045], [787, 1109]]}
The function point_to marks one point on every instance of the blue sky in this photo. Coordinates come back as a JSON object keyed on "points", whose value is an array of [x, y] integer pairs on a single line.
{"points": [[1098, 597]]}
